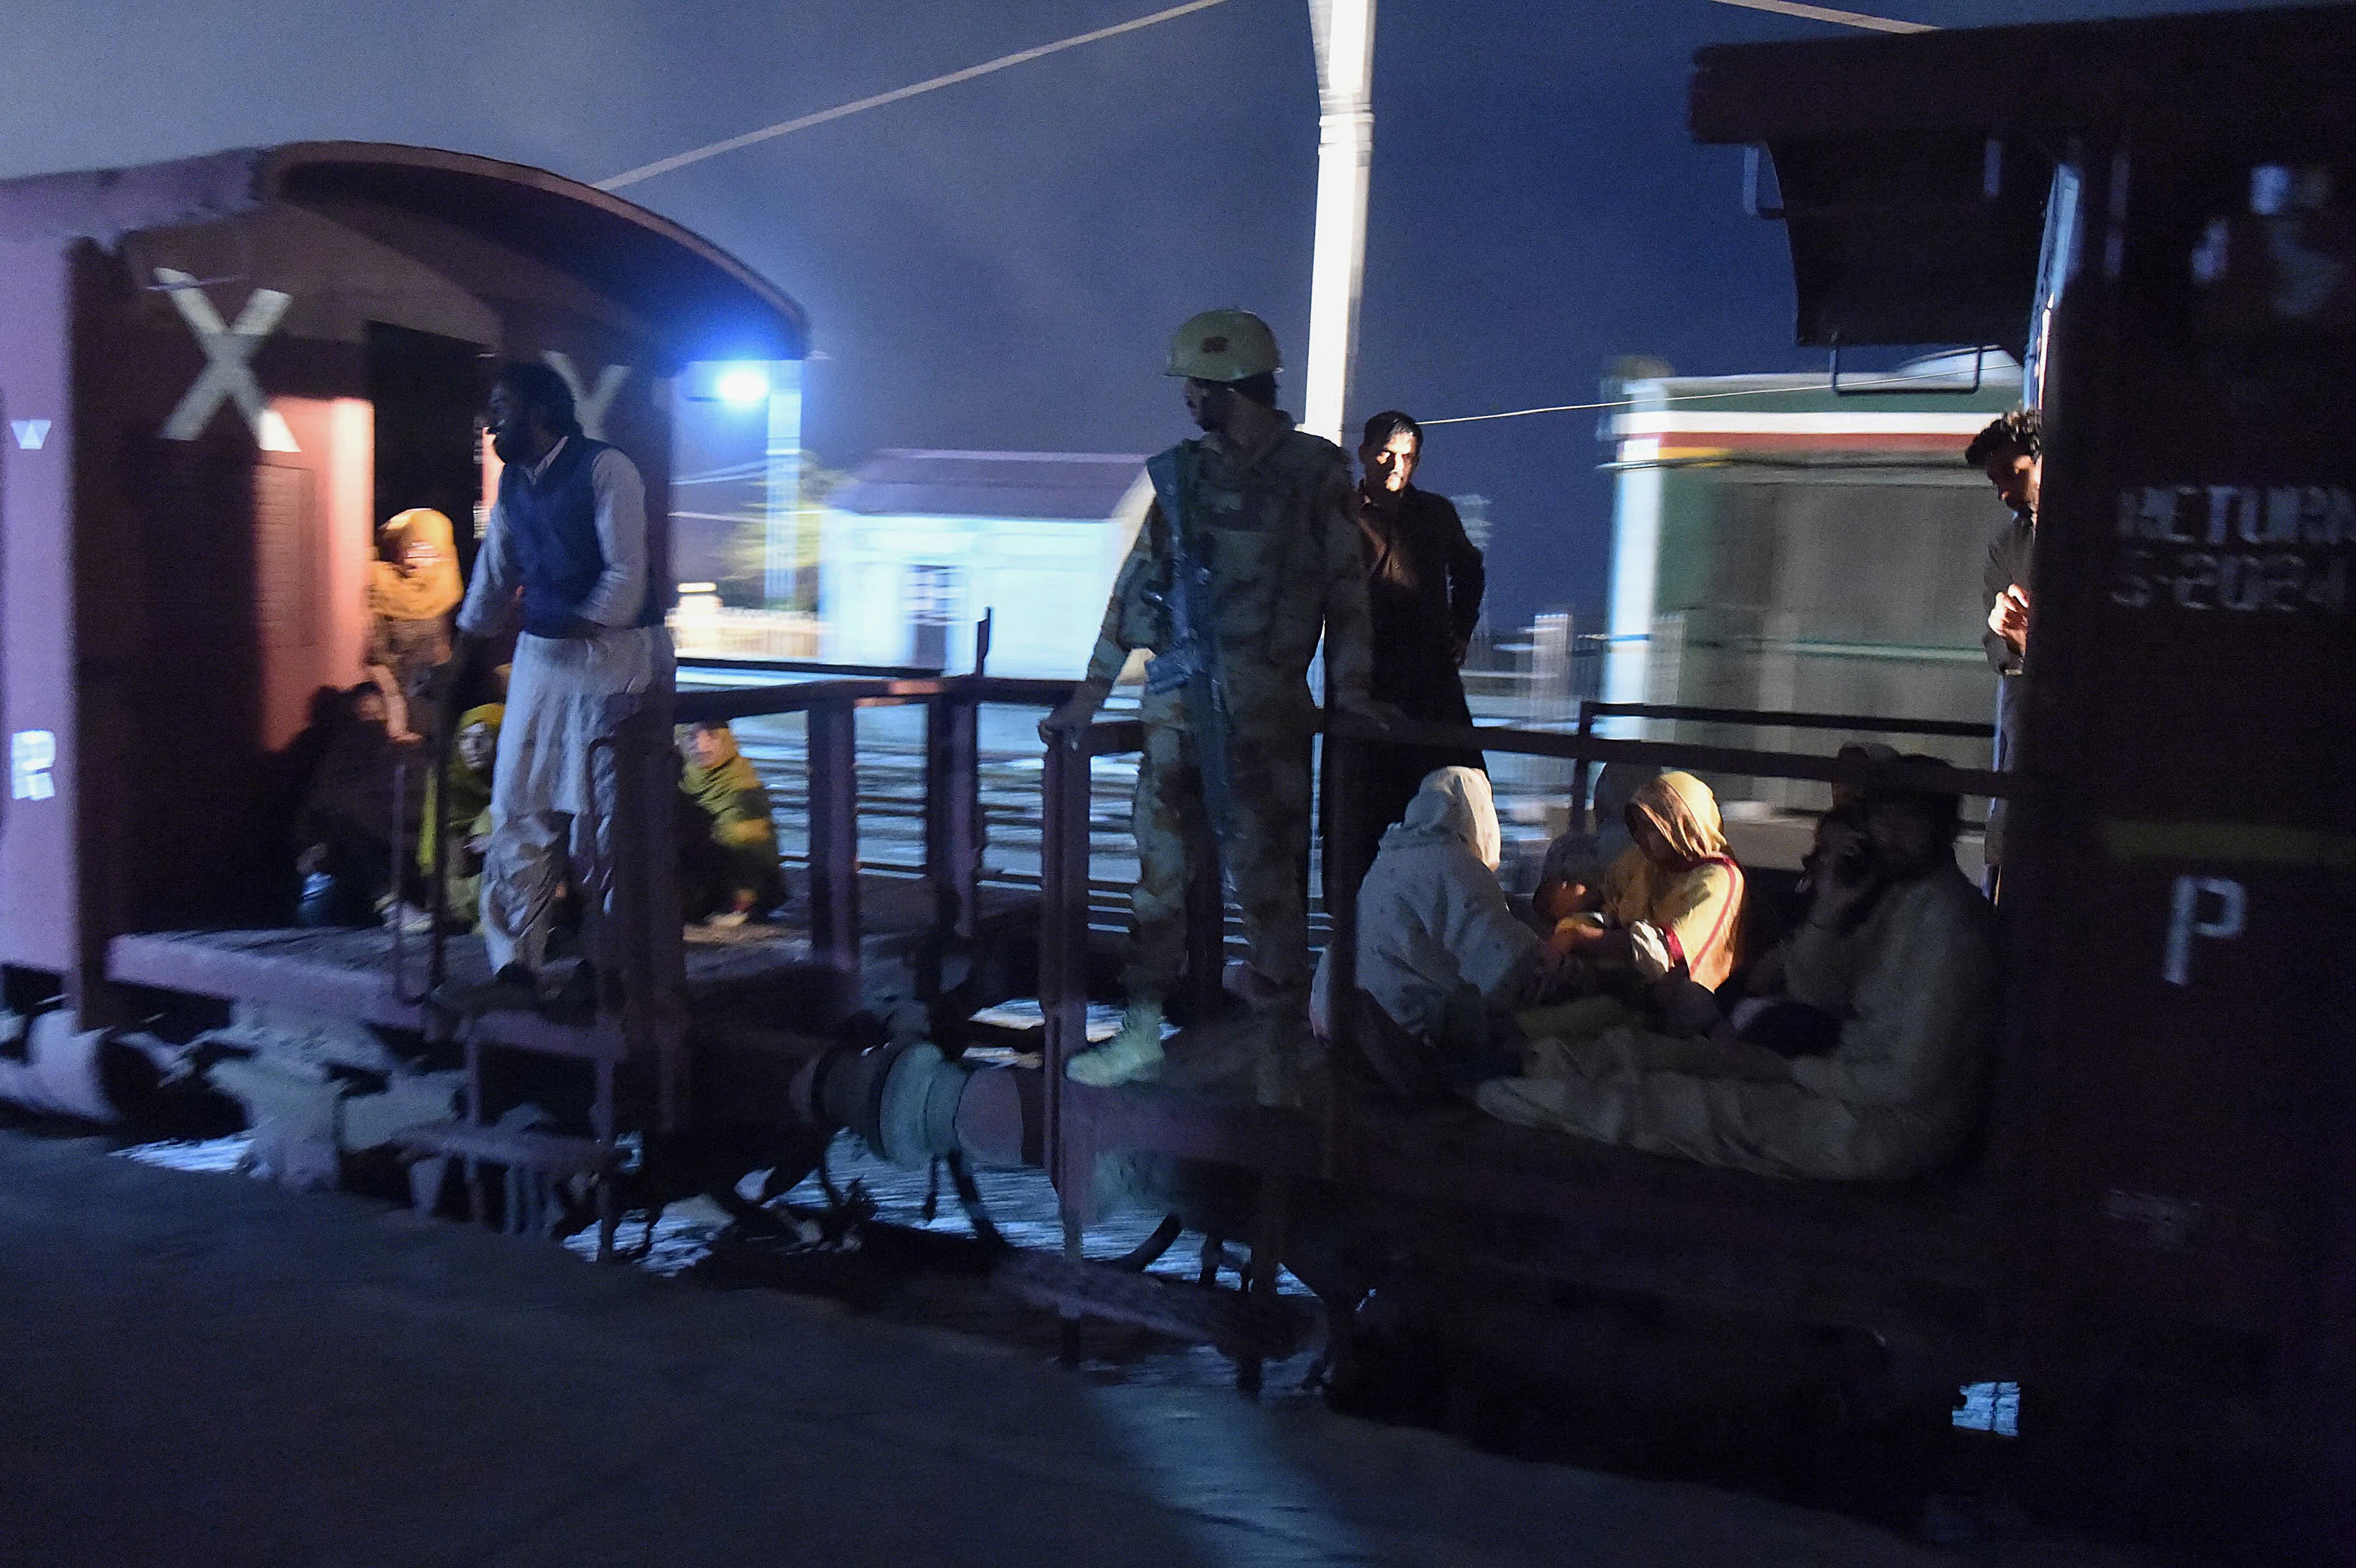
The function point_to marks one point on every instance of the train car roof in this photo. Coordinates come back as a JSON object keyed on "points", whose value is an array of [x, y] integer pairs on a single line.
{"points": [[2214, 68], [1912, 169], [663, 271]]}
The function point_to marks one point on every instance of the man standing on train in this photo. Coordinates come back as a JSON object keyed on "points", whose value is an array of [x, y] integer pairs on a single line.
{"points": [[1424, 582], [2011, 452], [568, 549], [1248, 553]]}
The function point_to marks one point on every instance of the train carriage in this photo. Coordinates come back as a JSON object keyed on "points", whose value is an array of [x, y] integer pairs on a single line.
{"points": [[2154, 1231], [220, 375]]}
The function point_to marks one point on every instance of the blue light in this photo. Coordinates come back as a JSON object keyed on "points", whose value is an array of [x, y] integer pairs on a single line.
{"points": [[742, 386]]}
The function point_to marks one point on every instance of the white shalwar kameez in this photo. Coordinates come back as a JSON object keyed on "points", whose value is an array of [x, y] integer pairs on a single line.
{"points": [[553, 786]]}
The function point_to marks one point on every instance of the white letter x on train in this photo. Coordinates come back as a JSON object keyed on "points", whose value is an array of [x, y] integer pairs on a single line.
{"points": [[227, 375]]}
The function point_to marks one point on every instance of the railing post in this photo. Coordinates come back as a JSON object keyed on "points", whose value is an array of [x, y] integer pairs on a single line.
{"points": [[655, 982], [953, 820], [1063, 933], [1579, 813], [834, 751], [1343, 758]]}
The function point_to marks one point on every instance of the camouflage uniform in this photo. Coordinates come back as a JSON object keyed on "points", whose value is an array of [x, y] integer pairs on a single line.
{"points": [[1285, 562]]}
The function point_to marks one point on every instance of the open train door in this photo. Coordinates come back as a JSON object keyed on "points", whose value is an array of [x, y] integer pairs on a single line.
{"points": [[428, 391]]}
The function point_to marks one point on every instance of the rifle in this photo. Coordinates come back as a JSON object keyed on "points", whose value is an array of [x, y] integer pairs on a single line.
{"points": [[1191, 660]]}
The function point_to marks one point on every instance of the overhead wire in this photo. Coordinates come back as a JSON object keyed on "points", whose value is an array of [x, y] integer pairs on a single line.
{"points": [[876, 101], [1826, 14]]}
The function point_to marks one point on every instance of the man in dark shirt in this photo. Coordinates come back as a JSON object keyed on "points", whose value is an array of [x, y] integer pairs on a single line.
{"points": [[1424, 582], [2011, 452]]}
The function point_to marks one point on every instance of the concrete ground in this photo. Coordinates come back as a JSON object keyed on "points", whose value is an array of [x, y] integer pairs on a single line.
{"points": [[206, 1371]]}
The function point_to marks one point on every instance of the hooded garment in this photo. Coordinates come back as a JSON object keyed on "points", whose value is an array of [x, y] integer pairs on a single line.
{"points": [[460, 800], [1432, 920], [426, 594], [732, 795], [409, 626], [735, 851], [1585, 857], [1691, 915], [1915, 987]]}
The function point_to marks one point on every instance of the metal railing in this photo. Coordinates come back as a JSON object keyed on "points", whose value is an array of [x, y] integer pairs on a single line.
{"points": [[1241, 1135], [1591, 710], [955, 829]]}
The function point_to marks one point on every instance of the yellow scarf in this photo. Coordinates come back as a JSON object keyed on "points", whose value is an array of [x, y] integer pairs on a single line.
{"points": [[431, 591]]}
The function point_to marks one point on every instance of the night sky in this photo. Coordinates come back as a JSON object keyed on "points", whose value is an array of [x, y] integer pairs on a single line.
{"points": [[1000, 264]]}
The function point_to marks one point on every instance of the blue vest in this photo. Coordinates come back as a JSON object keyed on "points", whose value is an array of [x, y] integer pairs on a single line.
{"points": [[552, 526]]}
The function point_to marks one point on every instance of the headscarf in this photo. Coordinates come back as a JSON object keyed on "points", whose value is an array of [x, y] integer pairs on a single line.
{"points": [[468, 789], [719, 790], [1615, 786], [1586, 856], [1870, 751], [428, 594], [1681, 808], [1455, 806]]}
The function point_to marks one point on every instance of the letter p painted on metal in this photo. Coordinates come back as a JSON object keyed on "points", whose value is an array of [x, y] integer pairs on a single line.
{"points": [[2186, 922]]}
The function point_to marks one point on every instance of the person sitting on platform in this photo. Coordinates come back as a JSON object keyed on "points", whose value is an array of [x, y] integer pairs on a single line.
{"points": [[1673, 899], [351, 815], [728, 842], [1572, 879], [1440, 951], [1859, 751], [1898, 946], [459, 804]]}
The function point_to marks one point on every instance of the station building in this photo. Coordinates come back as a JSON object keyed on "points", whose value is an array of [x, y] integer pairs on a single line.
{"points": [[919, 546]]}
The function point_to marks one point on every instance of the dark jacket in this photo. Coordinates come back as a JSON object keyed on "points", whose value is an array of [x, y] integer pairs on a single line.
{"points": [[2009, 560], [1424, 583]]}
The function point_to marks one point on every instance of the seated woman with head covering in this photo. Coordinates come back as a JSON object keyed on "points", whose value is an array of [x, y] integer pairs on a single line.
{"points": [[458, 814], [1671, 903], [1898, 948], [1572, 879], [355, 810], [728, 842], [1440, 952]]}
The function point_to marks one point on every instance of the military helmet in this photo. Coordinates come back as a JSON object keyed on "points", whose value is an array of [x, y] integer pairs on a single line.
{"points": [[1223, 346]]}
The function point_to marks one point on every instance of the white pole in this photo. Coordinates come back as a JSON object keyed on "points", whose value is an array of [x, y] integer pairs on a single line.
{"points": [[1344, 31]]}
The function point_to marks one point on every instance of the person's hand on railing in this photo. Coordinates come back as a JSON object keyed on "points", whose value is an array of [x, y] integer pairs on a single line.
{"points": [[1369, 710], [1066, 722]]}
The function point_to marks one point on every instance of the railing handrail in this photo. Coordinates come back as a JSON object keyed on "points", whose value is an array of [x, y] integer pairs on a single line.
{"points": [[1900, 774], [1105, 738], [809, 666], [1782, 719], [800, 696]]}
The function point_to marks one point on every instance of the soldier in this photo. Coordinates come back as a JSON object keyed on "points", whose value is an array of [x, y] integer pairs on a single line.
{"points": [[1248, 553]]}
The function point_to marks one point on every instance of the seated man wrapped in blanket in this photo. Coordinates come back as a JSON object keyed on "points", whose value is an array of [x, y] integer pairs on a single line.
{"points": [[1897, 946]]}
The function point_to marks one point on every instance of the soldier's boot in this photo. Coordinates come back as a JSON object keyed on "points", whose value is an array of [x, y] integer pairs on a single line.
{"points": [[1133, 1053], [1276, 1065]]}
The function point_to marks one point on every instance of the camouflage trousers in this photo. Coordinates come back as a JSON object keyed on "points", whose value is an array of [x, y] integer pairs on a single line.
{"points": [[1264, 855]]}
